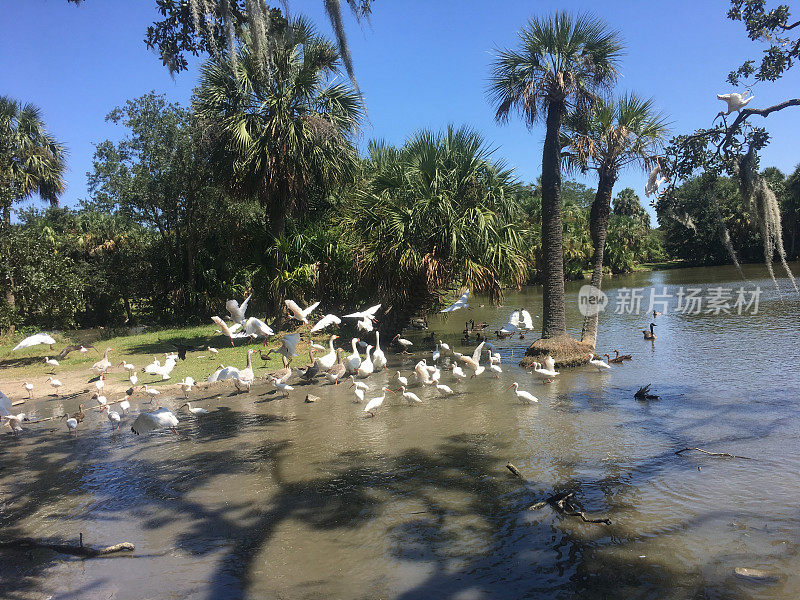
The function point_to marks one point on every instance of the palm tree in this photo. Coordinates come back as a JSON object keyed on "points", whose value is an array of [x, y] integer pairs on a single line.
{"points": [[435, 214], [562, 62], [612, 136], [32, 162], [282, 135]]}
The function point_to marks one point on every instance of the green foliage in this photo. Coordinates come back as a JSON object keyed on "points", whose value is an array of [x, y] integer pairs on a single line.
{"points": [[628, 204]]}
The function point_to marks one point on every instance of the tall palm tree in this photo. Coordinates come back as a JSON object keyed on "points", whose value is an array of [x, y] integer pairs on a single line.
{"points": [[32, 162], [282, 135], [561, 63], [438, 212], [615, 134]]}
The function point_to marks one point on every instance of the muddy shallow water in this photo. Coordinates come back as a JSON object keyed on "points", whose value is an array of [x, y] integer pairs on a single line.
{"points": [[271, 497]]}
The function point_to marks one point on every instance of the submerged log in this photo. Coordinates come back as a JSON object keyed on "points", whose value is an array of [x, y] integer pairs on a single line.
{"points": [[514, 470], [724, 454], [644, 394], [64, 548], [562, 502]]}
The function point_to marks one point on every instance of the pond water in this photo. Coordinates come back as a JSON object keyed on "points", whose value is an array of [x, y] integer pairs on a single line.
{"points": [[269, 497]]}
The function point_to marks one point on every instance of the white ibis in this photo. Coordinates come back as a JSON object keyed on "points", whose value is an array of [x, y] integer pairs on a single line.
{"points": [[546, 375], [125, 405], [444, 390], [401, 379], [113, 416], [152, 392], [462, 302], [186, 385], [404, 343], [101, 400], [411, 397], [237, 312], [735, 101], [54, 383], [359, 395], [134, 378], [52, 362], [161, 418], [101, 382], [526, 397], [443, 346], [298, 313], [326, 321], [35, 340], [195, 410], [359, 385], [283, 387], [72, 423], [29, 388], [376, 402]]}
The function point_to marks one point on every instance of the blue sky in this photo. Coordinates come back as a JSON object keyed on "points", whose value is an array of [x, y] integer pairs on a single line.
{"points": [[420, 63]]}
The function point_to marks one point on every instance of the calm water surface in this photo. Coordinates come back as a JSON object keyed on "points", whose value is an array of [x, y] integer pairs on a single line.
{"points": [[275, 498]]}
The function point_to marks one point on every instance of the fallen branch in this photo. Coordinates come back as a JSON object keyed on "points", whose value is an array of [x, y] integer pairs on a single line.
{"points": [[725, 454], [79, 550], [563, 504], [514, 470]]}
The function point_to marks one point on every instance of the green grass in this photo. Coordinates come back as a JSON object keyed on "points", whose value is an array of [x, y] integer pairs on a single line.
{"points": [[140, 349]]}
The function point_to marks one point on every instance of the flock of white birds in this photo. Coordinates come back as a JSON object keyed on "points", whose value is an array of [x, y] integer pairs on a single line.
{"points": [[446, 368]]}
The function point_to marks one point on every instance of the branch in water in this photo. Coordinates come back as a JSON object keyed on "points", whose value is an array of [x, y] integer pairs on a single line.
{"points": [[725, 454], [81, 550]]}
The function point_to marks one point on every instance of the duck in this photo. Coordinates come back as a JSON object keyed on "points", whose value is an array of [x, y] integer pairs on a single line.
{"points": [[161, 418], [366, 368], [311, 370], [327, 361], [80, 415], [378, 357], [103, 365], [247, 373], [354, 360], [337, 370], [623, 356], [649, 335], [401, 379], [616, 360], [283, 374]]}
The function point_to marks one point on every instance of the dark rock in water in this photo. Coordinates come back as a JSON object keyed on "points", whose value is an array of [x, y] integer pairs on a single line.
{"points": [[312, 398], [644, 394]]}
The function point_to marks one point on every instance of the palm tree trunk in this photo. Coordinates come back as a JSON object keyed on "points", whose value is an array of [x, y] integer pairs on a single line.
{"points": [[553, 311], [276, 222], [9, 293], [598, 227]]}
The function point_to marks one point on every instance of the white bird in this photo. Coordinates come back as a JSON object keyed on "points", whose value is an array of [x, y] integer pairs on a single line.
{"points": [[366, 368], [436, 354], [550, 363], [410, 396], [326, 362], [247, 373], [212, 350], [72, 423], [35, 340], [496, 369], [55, 384], [526, 397], [113, 416], [15, 422], [353, 361], [436, 375], [444, 346], [161, 418], [527, 321], [125, 405], [365, 324], [458, 373], [284, 387], [51, 361], [29, 388], [229, 332], [186, 385], [256, 327], [735, 101], [458, 304], [368, 314], [134, 378], [237, 312], [359, 385], [101, 400], [359, 395], [129, 367], [214, 377], [153, 393], [514, 318], [326, 321], [103, 365], [242, 385], [401, 379], [654, 181], [165, 369], [101, 382], [600, 365], [378, 357], [227, 373], [546, 374], [404, 343], [194, 410], [5, 405], [299, 313], [376, 402], [444, 390], [288, 346], [153, 367], [474, 361], [422, 374]]}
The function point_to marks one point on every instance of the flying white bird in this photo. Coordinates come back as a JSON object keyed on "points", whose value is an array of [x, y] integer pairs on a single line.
{"points": [[736, 102], [299, 313], [288, 346], [256, 327], [526, 397], [474, 361], [237, 312], [527, 321], [376, 402], [35, 340], [366, 317], [161, 418], [458, 304], [229, 332], [325, 321]]}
